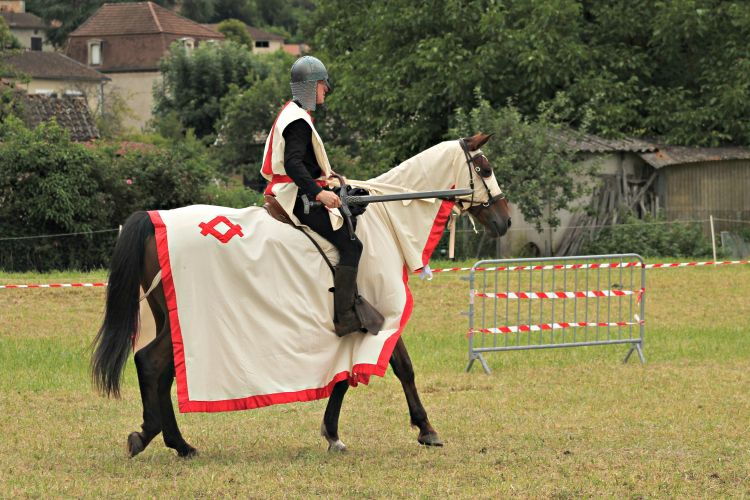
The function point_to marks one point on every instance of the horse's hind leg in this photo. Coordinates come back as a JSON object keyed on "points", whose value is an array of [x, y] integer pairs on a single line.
{"points": [[170, 431], [329, 429], [403, 369], [151, 362]]}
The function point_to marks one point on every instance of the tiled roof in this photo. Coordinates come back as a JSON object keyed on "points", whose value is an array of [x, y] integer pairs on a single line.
{"points": [[587, 143], [23, 20], [71, 113], [678, 155], [135, 18], [52, 66], [258, 34], [255, 33]]}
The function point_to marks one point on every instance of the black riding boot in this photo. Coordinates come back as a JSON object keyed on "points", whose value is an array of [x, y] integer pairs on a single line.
{"points": [[345, 288]]}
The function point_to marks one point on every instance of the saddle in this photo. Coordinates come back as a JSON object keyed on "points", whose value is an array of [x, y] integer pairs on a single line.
{"points": [[371, 319]]}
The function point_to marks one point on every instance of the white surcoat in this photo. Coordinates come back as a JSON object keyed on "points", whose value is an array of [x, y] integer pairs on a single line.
{"points": [[280, 184]]}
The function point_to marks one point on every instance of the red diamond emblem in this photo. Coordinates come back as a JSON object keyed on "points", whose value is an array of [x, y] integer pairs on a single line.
{"points": [[232, 229]]}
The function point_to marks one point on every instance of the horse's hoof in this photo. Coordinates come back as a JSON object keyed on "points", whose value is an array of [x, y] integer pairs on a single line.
{"points": [[135, 444], [337, 447], [430, 439], [187, 451]]}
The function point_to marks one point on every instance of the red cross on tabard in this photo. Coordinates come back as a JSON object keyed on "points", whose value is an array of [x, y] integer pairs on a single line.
{"points": [[210, 228]]}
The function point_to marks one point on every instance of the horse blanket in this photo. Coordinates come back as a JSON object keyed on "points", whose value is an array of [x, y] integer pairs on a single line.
{"points": [[250, 309]]}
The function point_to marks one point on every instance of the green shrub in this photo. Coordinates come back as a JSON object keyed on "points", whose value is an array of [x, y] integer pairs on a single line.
{"points": [[651, 238], [50, 186]]}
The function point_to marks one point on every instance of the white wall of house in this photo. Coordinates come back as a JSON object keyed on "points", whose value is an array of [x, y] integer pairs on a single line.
{"points": [[136, 89], [273, 46], [24, 36], [90, 90]]}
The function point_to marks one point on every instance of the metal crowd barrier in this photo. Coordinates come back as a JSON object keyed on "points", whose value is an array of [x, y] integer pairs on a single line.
{"points": [[541, 303]]}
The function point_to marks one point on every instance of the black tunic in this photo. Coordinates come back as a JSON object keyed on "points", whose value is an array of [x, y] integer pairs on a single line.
{"points": [[299, 158]]}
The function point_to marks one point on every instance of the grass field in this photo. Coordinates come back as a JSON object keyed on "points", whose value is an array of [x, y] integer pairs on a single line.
{"points": [[558, 423]]}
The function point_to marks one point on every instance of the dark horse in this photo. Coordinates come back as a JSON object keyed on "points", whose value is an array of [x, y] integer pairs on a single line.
{"points": [[135, 264]]}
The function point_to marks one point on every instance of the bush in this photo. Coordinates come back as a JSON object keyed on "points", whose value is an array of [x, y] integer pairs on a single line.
{"points": [[50, 186], [651, 238]]}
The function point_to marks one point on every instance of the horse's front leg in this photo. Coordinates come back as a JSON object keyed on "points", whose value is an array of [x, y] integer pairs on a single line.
{"points": [[403, 369], [329, 429]]}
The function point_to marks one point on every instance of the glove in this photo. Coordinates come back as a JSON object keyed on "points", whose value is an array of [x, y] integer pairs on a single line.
{"points": [[356, 210]]}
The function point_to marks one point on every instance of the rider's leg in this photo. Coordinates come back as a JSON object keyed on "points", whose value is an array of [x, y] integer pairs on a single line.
{"points": [[345, 278]]}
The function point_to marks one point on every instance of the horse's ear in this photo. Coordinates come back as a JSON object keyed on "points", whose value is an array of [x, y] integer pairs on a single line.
{"points": [[477, 140]]}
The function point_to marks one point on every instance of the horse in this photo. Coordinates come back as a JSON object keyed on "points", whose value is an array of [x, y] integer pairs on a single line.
{"points": [[135, 264]]}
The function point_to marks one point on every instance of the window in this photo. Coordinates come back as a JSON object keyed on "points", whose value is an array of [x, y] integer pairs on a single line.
{"points": [[261, 44], [95, 52], [36, 43], [188, 43]]}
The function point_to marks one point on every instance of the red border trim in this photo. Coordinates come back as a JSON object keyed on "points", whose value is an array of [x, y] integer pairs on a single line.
{"points": [[267, 168], [162, 248], [437, 230]]}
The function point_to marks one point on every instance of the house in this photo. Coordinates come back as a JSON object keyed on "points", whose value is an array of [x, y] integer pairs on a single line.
{"points": [[125, 41], [263, 41], [55, 74], [674, 182], [25, 26]]}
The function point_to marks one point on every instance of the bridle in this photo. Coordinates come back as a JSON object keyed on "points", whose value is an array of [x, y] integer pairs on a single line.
{"points": [[473, 167]]}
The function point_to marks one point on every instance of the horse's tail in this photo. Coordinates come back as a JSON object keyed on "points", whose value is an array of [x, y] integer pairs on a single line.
{"points": [[114, 339]]}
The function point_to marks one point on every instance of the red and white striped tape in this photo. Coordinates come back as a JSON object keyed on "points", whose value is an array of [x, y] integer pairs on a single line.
{"points": [[550, 326], [606, 265], [56, 285], [612, 265], [557, 295]]}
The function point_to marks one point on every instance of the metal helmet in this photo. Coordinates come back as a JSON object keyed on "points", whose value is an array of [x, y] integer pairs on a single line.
{"points": [[307, 71]]}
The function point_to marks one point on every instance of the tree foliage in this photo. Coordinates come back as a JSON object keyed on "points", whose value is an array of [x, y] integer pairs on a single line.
{"points": [[532, 165], [676, 70], [50, 185], [193, 83], [236, 31], [248, 112]]}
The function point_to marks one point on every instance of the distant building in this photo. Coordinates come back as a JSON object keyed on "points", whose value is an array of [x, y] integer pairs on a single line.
{"points": [[26, 27], [265, 42], [125, 41], [55, 74]]}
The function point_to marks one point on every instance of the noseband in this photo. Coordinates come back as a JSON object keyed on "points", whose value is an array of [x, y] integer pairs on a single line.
{"points": [[473, 167]]}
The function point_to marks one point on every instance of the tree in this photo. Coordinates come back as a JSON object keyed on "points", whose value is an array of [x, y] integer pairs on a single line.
{"points": [[236, 31], [532, 164], [50, 185], [194, 83], [677, 70], [248, 114], [7, 40]]}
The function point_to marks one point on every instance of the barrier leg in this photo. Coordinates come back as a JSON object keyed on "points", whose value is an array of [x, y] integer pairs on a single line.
{"points": [[481, 359]]}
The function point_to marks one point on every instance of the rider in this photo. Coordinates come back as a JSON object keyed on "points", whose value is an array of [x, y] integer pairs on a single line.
{"points": [[295, 164]]}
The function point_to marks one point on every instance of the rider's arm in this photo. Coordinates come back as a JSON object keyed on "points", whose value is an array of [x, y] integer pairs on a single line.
{"points": [[297, 139]]}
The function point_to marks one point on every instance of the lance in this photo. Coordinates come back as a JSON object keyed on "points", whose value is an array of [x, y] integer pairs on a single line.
{"points": [[346, 200]]}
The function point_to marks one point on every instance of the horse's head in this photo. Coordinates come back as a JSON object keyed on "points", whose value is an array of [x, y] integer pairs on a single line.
{"points": [[487, 203]]}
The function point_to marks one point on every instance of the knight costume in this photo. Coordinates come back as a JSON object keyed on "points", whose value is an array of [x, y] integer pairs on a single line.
{"points": [[295, 164]]}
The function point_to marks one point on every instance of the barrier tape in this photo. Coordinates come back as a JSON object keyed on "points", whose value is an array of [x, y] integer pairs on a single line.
{"points": [[550, 326], [557, 295], [56, 285], [612, 265]]}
